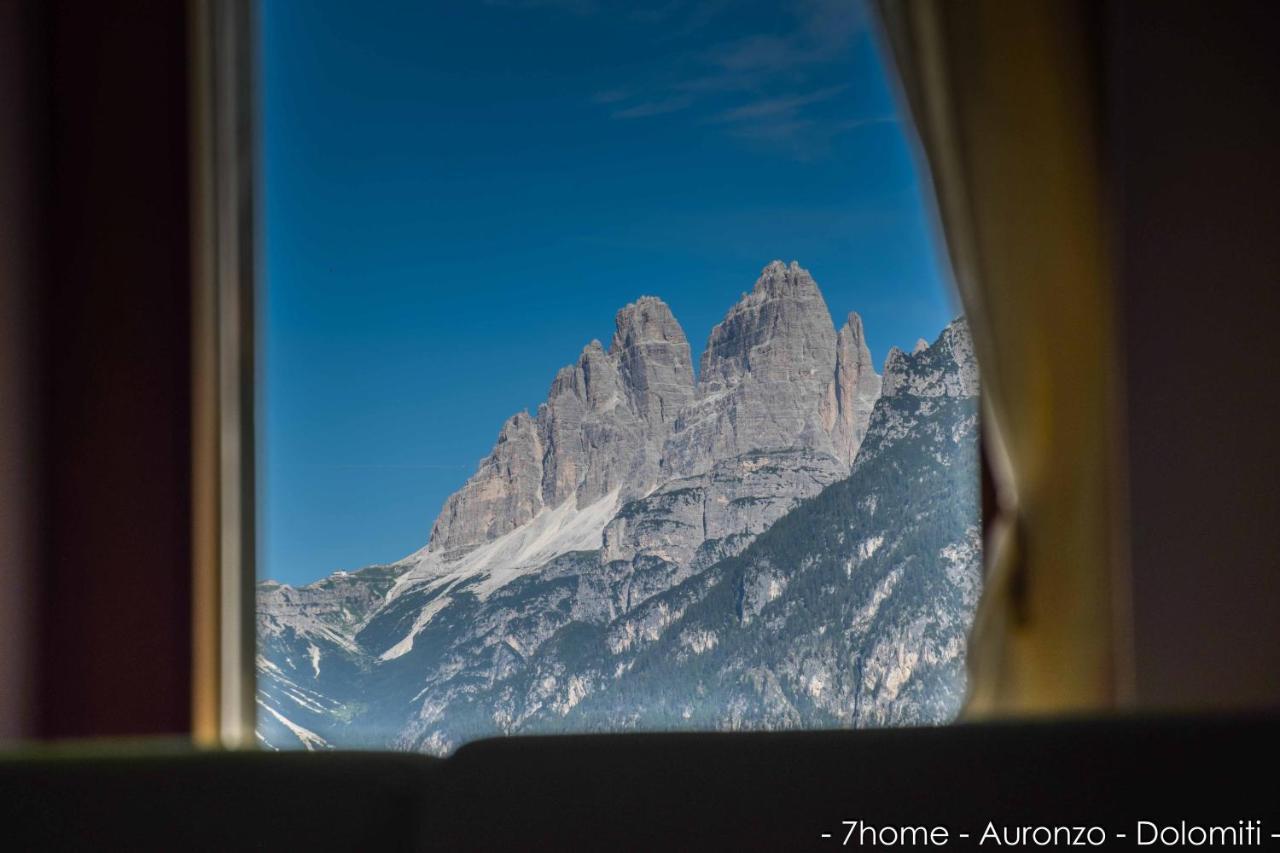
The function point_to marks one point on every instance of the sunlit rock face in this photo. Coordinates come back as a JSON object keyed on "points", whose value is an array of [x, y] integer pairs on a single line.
{"points": [[654, 363], [853, 394], [601, 430], [503, 494], [774, 544], [776, 378], [764, 376]]}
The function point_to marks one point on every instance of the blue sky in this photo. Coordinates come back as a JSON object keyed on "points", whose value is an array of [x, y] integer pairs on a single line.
{"points": [[459, 195]]}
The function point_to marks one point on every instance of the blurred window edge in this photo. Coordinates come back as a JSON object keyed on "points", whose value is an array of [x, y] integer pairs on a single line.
{"points": [[224, 388]]}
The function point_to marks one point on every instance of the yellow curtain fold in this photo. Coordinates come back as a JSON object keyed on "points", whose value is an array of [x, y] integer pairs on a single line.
{"points": [[1006, 100]]}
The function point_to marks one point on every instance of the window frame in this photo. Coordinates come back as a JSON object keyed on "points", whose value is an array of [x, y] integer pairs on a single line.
{"points": [[225, 381], [223, 124]]}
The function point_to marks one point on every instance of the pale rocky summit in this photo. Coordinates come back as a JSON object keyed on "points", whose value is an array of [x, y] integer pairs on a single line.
{"points": [[599, 433], [765, 372], [853, 394], [782, 404], [946, 369], [593, 441], [775, 377], [503, 494], [654, 361]]}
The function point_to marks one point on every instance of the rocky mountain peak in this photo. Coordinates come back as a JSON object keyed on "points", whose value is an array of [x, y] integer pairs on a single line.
{"points": [[852, 329], [504, 493], [647, 320], [895, 366], [598, 384], [514, 425], [767, 368], [654, 362], [780, 331], [776, 376], [782, 280], [853, 393], [945, 368]]}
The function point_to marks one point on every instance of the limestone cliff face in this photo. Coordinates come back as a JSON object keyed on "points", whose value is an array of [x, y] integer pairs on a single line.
{"points": [[777, 413], [764, 375], [782, 404], [593, 441], [946, 369], [654, 363], [600, 431], [503, 494], [853, 394], [692, 520]]}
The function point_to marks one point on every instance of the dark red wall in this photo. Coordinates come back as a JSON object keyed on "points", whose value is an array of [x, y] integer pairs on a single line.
{"points": [[109, 348], [22, 133]]}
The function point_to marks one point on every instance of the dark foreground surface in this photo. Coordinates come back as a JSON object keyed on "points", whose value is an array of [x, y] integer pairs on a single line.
{"points": [[650, 792]]}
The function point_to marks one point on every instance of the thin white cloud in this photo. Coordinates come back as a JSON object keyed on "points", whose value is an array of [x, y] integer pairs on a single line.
{"points": [[660, 14], [578, 7], [720, 82], [763, 88], [802, 139], [758, 53], [829, 25], [611, 96], [655, 108], [824, 28], [786, 105], [855, 123], [698, 16]]}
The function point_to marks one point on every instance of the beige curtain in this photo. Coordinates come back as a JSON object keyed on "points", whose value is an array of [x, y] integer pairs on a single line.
{"points": [[1005, 100]]}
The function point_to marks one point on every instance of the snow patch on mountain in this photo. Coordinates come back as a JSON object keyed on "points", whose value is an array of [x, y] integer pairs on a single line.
{"points": [[551, 533], [309, 739], [424, 617]]}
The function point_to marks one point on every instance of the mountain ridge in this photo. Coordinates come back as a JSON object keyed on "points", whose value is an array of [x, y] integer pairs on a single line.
{"points": [[633, 479]]}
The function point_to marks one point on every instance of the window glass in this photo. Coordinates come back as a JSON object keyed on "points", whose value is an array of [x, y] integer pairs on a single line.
{"points": [[611, 377]]}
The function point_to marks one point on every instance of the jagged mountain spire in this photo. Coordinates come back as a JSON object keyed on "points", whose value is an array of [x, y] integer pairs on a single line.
{"points": [[947, 368], [653, 358], [854, 392], [765, 372], [504, 493]]}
